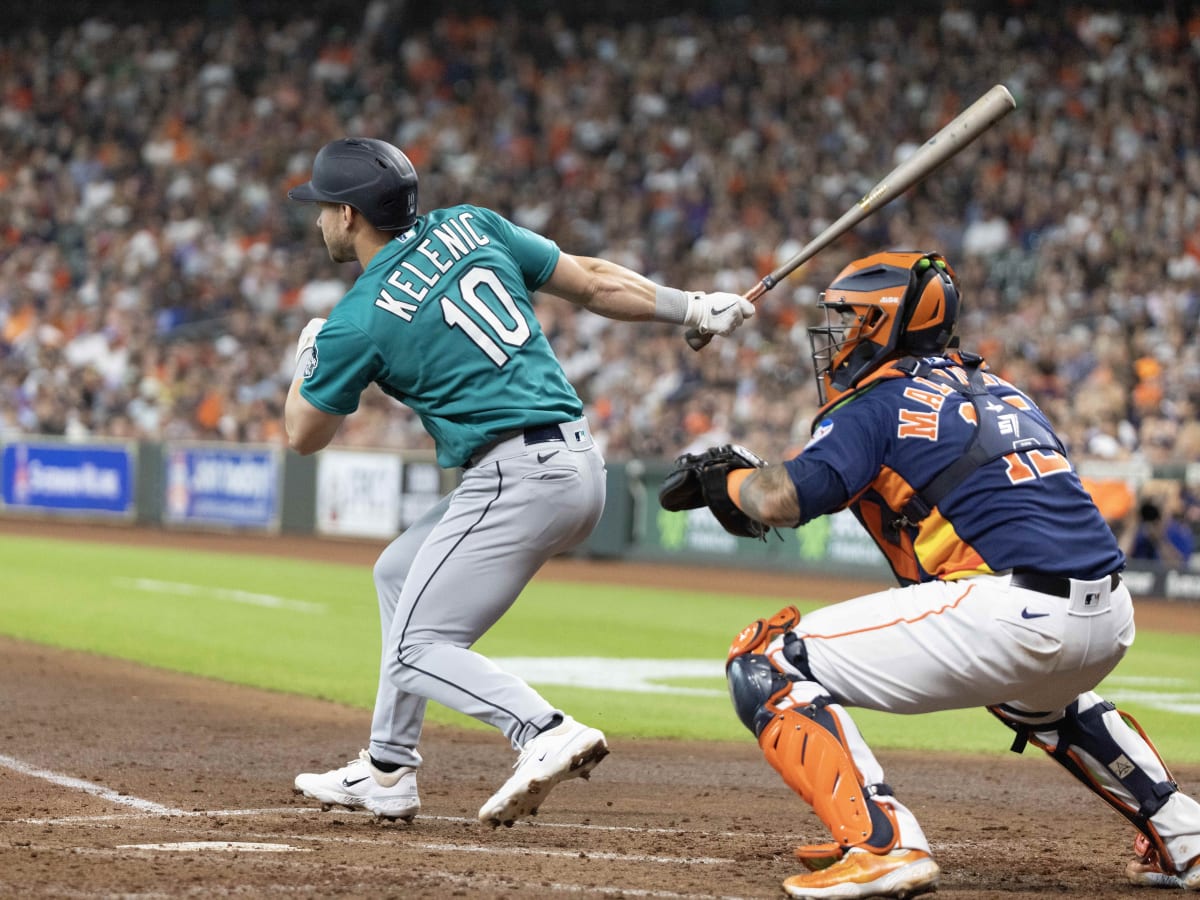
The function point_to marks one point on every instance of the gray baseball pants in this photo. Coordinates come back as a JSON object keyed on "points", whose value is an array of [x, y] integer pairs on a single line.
{"points": [[451, 576]]}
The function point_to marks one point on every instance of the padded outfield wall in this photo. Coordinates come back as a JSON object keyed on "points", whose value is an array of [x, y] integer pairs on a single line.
{"points": [[352, 493]]}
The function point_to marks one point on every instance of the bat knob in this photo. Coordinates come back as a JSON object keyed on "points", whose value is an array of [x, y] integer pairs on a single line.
{"points": [[696, 340]]}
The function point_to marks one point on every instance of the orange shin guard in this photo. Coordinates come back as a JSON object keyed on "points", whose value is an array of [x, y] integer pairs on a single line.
{"points": [[807, 748]]}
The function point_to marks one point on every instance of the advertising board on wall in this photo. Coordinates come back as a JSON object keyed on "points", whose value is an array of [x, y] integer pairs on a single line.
{"points": [[79, 479], [221, 484], [835, 542], [363, 493], [358, 493]]}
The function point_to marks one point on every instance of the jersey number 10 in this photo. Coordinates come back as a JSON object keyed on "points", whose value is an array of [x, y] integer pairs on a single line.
{"points": [[456, 316]]}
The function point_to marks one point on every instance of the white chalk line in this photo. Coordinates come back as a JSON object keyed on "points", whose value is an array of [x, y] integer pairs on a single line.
{"points": [[120, 818], [87, 787], [451, 847], [147, 809], [179, 588], [481, 881], [219, 846]]}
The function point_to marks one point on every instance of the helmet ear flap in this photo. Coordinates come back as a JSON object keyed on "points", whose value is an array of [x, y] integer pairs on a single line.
{"points": [[930, 307]]}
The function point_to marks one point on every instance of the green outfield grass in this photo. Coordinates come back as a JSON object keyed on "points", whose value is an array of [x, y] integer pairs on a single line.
{"points": [[313, 628]]}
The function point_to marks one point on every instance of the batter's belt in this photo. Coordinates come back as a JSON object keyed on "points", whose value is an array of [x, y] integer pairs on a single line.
{"points": [[536, 434], [543, 434]]}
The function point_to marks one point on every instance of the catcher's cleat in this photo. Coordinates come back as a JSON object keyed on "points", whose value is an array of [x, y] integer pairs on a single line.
{"points": [[569, 750], [819, 856], [859, 874], [359, 785], [1147, 869]]}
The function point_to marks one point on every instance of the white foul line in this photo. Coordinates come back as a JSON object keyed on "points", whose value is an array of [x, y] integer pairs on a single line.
{"points": [[574, 854], [87, 787], [269, 601], [458, 820]]}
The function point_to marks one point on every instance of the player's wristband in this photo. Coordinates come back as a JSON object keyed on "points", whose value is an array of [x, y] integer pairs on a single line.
{"points": [[673, 305], [733, 484]]}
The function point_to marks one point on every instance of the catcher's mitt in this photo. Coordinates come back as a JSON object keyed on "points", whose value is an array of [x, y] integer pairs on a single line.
{"points": [[698, 479]]}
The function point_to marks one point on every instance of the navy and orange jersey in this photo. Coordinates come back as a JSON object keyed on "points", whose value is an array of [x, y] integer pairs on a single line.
{"points": [[878, 447]]}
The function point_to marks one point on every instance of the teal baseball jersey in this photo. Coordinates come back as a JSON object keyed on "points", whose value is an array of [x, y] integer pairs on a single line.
{"points": [[441, 319]]}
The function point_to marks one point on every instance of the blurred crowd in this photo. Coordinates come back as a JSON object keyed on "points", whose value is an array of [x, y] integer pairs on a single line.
{"points": [[153, 277]]}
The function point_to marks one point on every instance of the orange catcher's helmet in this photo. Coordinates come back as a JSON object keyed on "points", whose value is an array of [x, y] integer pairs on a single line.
{"points": [[882, 307]]}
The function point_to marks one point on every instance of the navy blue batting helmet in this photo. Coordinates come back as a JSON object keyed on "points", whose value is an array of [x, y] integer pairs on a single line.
{"points": [[370, 175]]}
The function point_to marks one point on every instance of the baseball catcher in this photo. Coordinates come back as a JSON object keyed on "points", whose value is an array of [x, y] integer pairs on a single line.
{"points": [[1010, 592]]}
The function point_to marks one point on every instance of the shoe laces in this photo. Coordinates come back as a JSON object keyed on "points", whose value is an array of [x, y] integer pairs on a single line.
{"points": [[526, 753], [531, 746]]}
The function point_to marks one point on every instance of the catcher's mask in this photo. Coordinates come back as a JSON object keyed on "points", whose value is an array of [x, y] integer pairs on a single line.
{"points": [[881, 307], [371, 175]]}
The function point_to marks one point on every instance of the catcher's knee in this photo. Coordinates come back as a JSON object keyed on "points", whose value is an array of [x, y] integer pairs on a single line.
{"points": [[758, 634], [753, 683], [753, 679]]}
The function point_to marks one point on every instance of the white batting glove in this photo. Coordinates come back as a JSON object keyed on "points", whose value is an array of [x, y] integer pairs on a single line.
{"points": [[717, 313], [308, 337]]}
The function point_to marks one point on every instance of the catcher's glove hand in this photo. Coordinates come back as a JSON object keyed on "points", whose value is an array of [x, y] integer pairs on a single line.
{"points": [[698, 479]]}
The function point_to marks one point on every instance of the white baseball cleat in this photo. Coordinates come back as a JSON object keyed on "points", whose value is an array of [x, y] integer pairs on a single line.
{"points": [[1147, 870], [568, 750], [359, 785]]}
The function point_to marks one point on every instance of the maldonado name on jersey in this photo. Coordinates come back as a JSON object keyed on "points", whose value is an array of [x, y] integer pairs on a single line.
{"points": [[444, 245]]}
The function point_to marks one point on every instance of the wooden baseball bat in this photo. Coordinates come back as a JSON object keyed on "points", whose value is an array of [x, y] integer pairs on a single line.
{"points": [[960, 131]]}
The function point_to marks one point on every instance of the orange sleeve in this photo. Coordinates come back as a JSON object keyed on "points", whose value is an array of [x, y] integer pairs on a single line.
{"points": [[733, 484]]}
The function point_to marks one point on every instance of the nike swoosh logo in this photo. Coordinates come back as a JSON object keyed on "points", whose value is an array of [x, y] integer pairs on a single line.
{"points": [[348, 783], [542, 457], [1026, 614], [717, 312]]}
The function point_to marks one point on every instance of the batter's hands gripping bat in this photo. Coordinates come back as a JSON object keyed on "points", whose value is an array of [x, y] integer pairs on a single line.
{"points": [[960, 131]]}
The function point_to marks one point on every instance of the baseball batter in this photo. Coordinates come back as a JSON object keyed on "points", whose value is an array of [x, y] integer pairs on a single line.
{"points": [[1011, 597], [441, 318]]}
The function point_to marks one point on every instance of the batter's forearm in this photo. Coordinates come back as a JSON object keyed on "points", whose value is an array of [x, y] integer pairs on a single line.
{"points": [[605, 288], [611, 290]]}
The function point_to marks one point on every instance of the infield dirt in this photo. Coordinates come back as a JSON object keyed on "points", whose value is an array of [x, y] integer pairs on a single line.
{"points": [[191, 760]]}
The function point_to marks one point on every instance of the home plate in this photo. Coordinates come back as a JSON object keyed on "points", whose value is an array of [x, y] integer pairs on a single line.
{"points": [[239, 846]]}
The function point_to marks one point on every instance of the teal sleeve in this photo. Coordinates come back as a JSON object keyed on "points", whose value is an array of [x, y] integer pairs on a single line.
{"points": [[535, 255], [347, 362]]}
